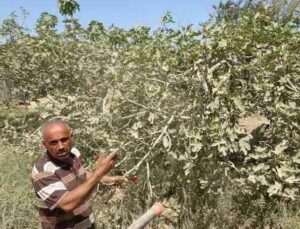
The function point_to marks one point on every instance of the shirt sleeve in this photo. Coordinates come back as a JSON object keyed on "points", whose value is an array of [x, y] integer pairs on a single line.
{"points": [[49, 188]]}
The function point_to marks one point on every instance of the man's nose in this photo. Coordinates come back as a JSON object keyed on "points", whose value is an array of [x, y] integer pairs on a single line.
{"points": [[61, 146]]}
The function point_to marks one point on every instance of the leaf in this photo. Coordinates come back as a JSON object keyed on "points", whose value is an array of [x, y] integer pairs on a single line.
{"points": [[238, 102], [252, 178], [214, 67], [292, 180], [296, 160], [262, 180], [174, 156], [275, 189], [187, 167], [166, 142], [196, 147], [135, 134], [45, 114], [279, 149], [222, 43], [244, 144], [290, 193], [260, 166]]}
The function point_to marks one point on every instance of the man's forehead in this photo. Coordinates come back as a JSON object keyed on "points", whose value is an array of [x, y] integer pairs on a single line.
{"points": [[55, 128]]}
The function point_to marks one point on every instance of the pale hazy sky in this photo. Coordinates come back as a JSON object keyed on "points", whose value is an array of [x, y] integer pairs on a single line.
{"points": [[122, 13]]}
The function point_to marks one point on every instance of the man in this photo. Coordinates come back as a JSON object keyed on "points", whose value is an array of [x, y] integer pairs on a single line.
{"points": [[61, 184]]}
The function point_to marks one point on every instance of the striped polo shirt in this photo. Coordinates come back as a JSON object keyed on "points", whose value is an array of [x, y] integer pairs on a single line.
{"points": [[52, 180]]}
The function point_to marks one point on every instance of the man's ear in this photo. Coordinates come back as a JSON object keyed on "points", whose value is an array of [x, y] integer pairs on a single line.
{"points": [[72, 134], [43, 143]]}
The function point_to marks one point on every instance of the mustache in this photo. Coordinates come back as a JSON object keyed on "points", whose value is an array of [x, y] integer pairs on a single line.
{"points": [[64, 150]]}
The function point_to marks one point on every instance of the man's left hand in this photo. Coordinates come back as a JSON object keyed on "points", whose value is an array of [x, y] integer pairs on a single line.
{"points": [[113, 180]]}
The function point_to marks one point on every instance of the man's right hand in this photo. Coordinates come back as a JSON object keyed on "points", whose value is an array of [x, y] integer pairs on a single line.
{"points": [[104, 165]]}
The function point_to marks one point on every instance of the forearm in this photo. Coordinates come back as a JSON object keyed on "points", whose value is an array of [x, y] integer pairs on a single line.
{"points": [[75, 197], [105, 178], [88, 174]]}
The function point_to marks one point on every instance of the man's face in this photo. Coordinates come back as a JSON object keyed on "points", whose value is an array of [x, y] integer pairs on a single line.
{"points": [[57, 140]]}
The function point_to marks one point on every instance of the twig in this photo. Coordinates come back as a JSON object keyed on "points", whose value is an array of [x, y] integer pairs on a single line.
{"points": [[292, 86], [127, 155], [137, 166], [132, 115], [136, 103], [163, 132], [157, 80], [148, 180], [105, 110]]}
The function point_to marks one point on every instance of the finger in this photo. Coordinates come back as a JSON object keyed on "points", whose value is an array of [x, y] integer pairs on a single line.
{"points": [[113, 155], [96, 157], [124, 179]]}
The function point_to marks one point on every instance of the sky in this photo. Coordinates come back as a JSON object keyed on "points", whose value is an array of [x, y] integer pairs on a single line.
{"points": [[122, 13]]}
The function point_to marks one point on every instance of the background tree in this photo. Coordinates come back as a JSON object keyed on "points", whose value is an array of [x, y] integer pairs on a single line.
{"points": [[68, 7], [11, 29], [46, 23]]}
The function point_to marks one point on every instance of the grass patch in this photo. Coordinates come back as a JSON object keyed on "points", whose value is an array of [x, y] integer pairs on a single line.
{"points": [[17, 208]]}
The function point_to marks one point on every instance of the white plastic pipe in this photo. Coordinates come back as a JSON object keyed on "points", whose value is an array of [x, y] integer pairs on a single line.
{"points": [[156, 210]]}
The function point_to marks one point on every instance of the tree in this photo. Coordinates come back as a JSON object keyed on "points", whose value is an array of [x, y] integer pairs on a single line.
{"points": [[68, 7], [46, 22], [11, 29], [95, 30], [281, 11]]}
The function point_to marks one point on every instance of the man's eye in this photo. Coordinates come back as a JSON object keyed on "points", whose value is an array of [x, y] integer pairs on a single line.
{"points": [[53, 142], [64, 139]]}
